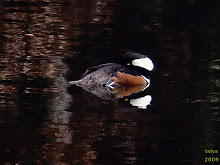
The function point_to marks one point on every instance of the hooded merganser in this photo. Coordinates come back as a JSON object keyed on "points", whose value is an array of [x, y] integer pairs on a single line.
{"points": [[133, 71]]}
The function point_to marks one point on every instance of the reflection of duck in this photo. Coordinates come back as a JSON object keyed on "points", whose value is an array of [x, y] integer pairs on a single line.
{"points": [[122, 91], [125, 83], [135, 101], [133, 71]]}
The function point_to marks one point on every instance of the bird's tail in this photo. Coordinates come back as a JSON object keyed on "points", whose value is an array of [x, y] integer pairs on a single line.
{"points": [[77, 82]]}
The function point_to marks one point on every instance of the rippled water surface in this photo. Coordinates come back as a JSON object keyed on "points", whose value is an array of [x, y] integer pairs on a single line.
{"points": [[44, 44]]}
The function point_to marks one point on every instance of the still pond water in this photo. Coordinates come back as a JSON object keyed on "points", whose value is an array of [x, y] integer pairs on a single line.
{"points": [[46, 43]]}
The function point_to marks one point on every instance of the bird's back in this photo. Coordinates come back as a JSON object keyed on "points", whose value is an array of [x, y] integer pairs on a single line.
{"points": [[98, 75]]}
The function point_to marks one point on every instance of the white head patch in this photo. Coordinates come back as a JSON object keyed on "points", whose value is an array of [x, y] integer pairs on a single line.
{"points": [[141, 102], [144, 63]]}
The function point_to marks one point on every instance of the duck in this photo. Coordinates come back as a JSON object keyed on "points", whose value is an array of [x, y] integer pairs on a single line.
{"points": [[133, 71]]}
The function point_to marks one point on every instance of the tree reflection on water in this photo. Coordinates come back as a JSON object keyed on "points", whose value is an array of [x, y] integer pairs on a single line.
{"points": [[44, 44]]}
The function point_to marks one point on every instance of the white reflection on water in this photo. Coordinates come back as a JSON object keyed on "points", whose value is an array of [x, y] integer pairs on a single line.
{"points": [[35, 42], [56, 128]]}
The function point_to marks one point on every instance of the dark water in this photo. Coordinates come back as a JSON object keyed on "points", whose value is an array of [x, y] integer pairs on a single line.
{"points": [[46, 43]]}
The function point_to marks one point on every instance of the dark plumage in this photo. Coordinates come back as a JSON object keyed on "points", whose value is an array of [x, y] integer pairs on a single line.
{"points": [[98, 74], [112, 74]]}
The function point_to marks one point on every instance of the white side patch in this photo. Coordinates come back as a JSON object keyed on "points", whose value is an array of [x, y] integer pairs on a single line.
{"points": [[148, 83], [141, 102], [144, 63]]}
